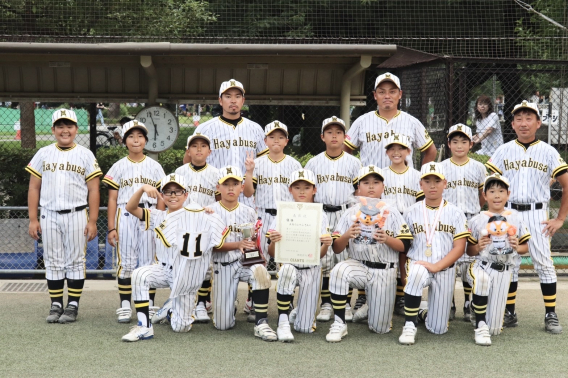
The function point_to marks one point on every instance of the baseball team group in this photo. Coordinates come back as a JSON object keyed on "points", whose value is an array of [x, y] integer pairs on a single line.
{"points": [[387, 229]]}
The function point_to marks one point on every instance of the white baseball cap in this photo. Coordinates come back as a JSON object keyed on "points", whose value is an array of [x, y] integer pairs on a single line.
{"points": [[226, 85], [332, 121], [527, 105], [496, 177], [432, 168], [63, 114], [228, 172], [401, 139], [303, 175], [275, 125], [460, 128], [197, 136], [175, 178], [134, 124], [370, 170], [387, 77]]}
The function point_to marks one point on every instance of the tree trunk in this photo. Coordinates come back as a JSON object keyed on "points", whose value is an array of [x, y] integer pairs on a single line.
{"points": [[27, 121]]}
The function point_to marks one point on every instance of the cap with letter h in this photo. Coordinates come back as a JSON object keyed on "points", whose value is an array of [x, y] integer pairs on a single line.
{"points": [[276, 125], [195, 136], [496, 177], [63, 114], [134, 124], [226, 85], [527, 105], [179, 180], [460, 128], [333, 120], [228, 172], [434, 169], [370, 170], [400, 139], [388, 77], [303, 175]]}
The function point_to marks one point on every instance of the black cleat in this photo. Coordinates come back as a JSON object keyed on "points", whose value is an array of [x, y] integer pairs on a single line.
{"points": [[69, 315]]}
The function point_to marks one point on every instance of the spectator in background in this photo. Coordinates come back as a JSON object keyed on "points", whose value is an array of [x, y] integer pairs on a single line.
{"points": [[499, 108], [18, 130], [100, 108], [488, 128], [535, 97]]}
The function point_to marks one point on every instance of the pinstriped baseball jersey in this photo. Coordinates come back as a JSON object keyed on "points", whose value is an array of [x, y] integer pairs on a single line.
{"points": [[271, 179], [335, 177], [464, 183], [451, 226], [528, 170], [404, 187], [370, 131], [201, 183], [63, 175], [127, 176], [364, 247], [167, 225], [232, 218], [480, 221]]}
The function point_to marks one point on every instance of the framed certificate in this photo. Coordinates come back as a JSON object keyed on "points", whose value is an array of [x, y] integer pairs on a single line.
{"points": [[300, 226]]}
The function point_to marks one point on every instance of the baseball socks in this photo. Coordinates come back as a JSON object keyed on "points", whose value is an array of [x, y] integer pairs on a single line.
{"points": [[339, 303], [125, 292], [466, 293], [399, 290], [411, 308], [549, 295], [260, 300], [204, 292], [55, 288], [325, 295], [284, 302], [143, 313], [479, 306], [512, 297], [74, 291], [152, 293]]}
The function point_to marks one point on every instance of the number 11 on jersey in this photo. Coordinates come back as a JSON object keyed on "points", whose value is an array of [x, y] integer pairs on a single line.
{"points": [[191, 244]]}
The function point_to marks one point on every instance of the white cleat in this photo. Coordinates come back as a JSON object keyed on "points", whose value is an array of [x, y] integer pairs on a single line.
{"points": [[284, 332], [124, 315], [139, 332], [337, 331], [362, 314], [209, 307], [482, 336], [264, 331], [162, 313], [201, 314], [348, 313], [249, 307], [408, 334], [292, 316], [152, 310], [325, 314]]}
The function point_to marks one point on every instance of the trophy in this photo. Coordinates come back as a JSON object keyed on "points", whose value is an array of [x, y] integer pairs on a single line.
{"points": [[250, 232]]}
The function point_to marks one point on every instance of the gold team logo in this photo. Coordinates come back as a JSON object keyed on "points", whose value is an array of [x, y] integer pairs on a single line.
{"points": [[276, 124], [334, 118], [301, 174], [63, 113], [432, 168], [229, 171], [371, 168], [173, 178], [459, 128], [387, 75], [395, 136], [233, 83], [524, 103]]}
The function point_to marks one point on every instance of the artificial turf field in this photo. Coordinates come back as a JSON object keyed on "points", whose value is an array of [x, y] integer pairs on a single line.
{"points": [[91, 347]]}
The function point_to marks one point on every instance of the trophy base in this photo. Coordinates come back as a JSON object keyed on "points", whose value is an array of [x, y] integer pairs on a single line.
{"points": [[253, 257]]}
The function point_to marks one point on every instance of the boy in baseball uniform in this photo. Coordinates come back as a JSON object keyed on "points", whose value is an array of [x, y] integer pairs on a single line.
{"points": [[465, 179], [64, 181], [440, 232], [529, 164], [497, 238], [336, 173], [185, 237], [374, 233], [228, 260], [134, 247], [306, 277]]}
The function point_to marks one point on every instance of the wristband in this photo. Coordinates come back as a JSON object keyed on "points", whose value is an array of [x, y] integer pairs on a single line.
{"points": [[111, 230]]}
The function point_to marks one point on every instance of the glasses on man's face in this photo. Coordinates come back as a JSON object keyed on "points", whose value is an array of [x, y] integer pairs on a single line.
{"points": [[170, 193]]}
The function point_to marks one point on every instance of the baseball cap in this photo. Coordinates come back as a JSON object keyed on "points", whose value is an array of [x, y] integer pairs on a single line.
{"points": [[63, 114], [275, 125], [460, 128], [432, 168], [387, 77], [527, 105], [496, 177], [303, 175], [228, 172], [226, 85], [332, 121], [119, 131], [175, 178], [370, 170], [134, 124], [197, 136], [401, 139]]}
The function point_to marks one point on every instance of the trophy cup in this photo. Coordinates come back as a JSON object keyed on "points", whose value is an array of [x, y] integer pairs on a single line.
{"points": [[250, 232]]}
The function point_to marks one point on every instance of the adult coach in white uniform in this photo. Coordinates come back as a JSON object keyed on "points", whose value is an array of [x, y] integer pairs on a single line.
{"points": [[370, 132], [529, 164], [231, 135]]}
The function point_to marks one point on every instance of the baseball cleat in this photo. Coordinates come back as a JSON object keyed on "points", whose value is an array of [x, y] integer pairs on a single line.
{"points": [[325, 314], [54, 313], [124, 314], [399, 306], [264, 331], [551, 323], [362, 314], [284, 332], [337, 331], [360, 301], [467, 314], [408, 334], [152, 310], [249, 307], [510, 320], [69, 315], [201, 314], [139, 332], [292, 316], [348, 313], [482, 336], [209, 307], [162, 313]]}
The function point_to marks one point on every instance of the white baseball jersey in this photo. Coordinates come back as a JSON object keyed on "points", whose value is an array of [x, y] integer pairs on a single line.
{"points": [[464, 183], [490, 144], [64, 174], [127, 176], [403, 188], [528, 169], [201, 183], [370, 132], [335, 177], [272, 179]]}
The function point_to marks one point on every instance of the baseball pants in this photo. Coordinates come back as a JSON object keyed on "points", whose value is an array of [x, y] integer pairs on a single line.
{"points": [[331, 258]]}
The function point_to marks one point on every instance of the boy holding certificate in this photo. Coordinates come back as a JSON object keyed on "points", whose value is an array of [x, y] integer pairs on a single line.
{"points": [[307, 277], [374, 234]]}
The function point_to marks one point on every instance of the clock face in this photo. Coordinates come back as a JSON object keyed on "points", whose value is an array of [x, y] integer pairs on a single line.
{"points": [[162, 125]]}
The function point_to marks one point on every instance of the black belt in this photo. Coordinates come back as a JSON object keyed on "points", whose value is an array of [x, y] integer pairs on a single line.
{"points": [[270, 211], [144, 205], [164, 264], [332, 208], [451, 266], [226, 263], [526, 206], [496, 266], [72, 210], [376, 265], [305, 268]]}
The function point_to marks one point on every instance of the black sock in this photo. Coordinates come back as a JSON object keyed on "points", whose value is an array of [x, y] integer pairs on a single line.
{"points": [[339, 302], [411, 307], [152, 293], [74, 290], [512, 297], [466, 292], [143, 307], [453, 302], [283, 303], [399, 289], [549, 295], [125, 289], [249, 296], [55, 288], [260, 300], [349, 296], [325, 294], [479, 306], [204, 293]]}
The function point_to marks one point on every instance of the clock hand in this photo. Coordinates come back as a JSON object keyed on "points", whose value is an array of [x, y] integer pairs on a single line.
{"points": [[155, 127]]}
